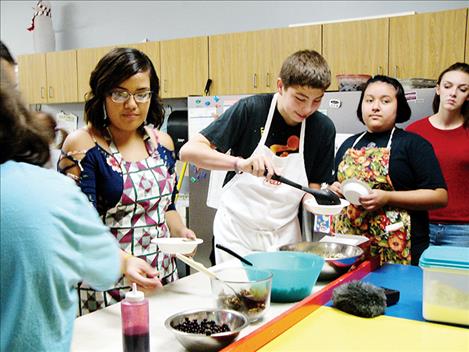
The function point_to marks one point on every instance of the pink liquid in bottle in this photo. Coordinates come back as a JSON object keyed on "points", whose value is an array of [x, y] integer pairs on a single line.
{"points": [[135, 322]]}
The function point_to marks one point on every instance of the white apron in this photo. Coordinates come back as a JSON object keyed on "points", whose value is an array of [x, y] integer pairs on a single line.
{"points": [[255, 215]]}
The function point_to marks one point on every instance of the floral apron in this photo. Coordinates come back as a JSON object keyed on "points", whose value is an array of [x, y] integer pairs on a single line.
{"points": [[137, 218], [371, 165]]}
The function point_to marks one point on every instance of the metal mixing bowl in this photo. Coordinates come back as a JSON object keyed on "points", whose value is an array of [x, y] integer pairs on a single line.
{"points": [[203, 343], [338, 257]]}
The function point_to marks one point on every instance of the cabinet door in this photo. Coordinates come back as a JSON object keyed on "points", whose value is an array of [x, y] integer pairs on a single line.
{"points": [[358, 47], [152, 50], [184, 67], [233, 63], [425, 44], [62, 83], [33, 78], [282, 43], [466, 59], [87, 59]]}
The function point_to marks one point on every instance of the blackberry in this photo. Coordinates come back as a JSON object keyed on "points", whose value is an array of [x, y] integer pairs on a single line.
{"points": [[204, 327]]}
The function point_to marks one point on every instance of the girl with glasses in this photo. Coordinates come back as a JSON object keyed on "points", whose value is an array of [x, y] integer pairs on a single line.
{"points": [[126, 166]]}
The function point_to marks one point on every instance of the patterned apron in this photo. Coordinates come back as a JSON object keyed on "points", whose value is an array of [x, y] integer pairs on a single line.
{"points": [[371, 165], [137, 218]]}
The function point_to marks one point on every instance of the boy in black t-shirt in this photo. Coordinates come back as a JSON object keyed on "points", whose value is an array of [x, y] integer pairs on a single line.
{"points": [[279, 133]]}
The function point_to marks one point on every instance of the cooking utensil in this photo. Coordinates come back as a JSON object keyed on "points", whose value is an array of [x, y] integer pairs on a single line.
{"points": [[338, 257], [201, 342], [236, 255], [322, 196], [200, 267]]}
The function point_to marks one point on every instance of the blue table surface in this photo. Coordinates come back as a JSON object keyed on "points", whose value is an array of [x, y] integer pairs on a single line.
{"points": [[407, 280]]}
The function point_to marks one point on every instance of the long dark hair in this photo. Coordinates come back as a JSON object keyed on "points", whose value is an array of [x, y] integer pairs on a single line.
{"points": [[22, 139], [403, 109], [115, 67], [458, 66]]}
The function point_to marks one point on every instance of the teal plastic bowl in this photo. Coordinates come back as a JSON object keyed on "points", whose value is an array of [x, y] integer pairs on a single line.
{"points": [[293, 273]]}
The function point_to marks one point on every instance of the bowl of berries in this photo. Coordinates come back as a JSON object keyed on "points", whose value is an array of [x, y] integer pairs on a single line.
{"points": [[206, 330]]}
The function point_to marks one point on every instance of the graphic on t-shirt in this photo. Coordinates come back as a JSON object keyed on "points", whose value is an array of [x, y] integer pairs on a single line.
{"points": [[293, 142]]}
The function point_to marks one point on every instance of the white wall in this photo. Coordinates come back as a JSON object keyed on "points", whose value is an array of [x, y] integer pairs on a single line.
{"points": [[80, 24]]}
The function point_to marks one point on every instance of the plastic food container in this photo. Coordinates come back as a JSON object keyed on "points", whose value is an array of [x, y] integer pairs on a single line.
{"points": [[351, 82], [446, 284]]}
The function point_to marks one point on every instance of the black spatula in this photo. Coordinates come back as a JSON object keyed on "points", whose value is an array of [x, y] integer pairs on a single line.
{"points": [[323, 196]]}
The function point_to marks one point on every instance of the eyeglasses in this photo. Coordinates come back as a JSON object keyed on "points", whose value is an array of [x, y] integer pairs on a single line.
{"points": [[121, 96]]}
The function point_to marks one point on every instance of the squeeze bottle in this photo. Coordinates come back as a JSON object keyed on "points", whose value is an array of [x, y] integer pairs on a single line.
{"points": [[135, 321]]}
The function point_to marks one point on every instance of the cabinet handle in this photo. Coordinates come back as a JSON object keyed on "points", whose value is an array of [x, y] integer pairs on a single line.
{"points": [[43, 92], [267, 81], [165, 84], [254, 80], [51, 92], [395, 71]]}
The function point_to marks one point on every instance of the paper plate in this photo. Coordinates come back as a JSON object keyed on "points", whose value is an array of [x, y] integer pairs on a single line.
{"points": [[312, 206], [174, 245], [353, 189]]}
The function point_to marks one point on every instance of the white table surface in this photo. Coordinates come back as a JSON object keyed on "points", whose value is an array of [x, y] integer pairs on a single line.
{"points": [[101, 330]]}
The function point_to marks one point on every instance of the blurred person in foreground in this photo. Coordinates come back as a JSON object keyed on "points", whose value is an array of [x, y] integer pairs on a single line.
{"points": [[51, 238], [448, 132]]}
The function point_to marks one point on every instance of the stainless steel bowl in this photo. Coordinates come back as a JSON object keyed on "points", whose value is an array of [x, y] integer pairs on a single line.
{"points": [[203, 343], [338, 257]]}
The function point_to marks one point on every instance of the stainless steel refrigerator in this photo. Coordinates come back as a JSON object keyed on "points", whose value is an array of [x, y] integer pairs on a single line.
{"points": [[339, 106]]}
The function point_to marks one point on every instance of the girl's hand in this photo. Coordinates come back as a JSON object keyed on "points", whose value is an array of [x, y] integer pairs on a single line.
{"points": [[336, 187], [143, 274], [375, 200]]}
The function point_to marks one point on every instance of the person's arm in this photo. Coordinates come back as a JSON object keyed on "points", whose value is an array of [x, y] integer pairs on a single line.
{"points": [[73, 151], [201, 153], [420, 199], [429, 186]]}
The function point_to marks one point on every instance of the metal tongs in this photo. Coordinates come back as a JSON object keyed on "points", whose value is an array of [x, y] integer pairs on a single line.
{"points": [[322, 196]]}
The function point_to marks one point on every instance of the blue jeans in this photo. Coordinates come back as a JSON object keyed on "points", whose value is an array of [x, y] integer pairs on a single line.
{"points": [[449, 235]]}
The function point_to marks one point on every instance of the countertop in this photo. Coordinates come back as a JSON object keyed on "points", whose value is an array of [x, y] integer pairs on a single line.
{"points": [[101, 330]]}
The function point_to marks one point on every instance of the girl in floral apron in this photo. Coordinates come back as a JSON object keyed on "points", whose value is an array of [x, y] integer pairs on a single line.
{"points": [[370, 157], [127, 170]]}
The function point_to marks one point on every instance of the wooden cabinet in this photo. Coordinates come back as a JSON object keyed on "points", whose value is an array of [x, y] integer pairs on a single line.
{"points": [[425, 44], [49, 78], [357, 47], [285, 41], [184, 67], [33, 78], [87, 60], [152, 50], [249, 62], [466, 58]]}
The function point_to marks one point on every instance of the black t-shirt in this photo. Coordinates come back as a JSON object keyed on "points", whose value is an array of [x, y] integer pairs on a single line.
{"points": [[412, 165], [239, 129]]}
